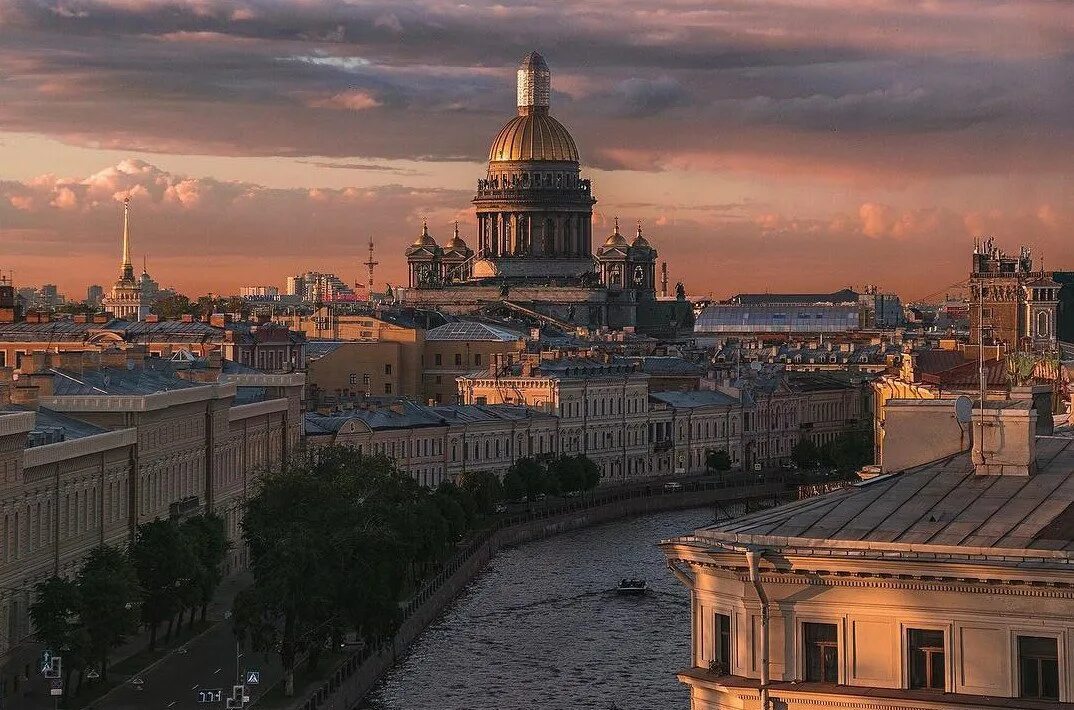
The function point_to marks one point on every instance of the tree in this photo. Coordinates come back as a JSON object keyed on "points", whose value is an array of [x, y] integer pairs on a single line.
{"points": [[167, 567], [590, 472], [524, 479], [805, 453], [108, 596], [566, 471], [718, 461], [172, 306], [56, 616], [485, 488], [208, 539]]}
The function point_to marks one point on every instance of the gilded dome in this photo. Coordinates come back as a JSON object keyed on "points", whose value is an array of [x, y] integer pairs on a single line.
{"points": [[640, 241], [534, 136], [456, 242], [615, 239], [424, 239]]}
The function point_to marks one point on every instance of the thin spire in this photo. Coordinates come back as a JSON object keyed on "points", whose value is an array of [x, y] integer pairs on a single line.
{"points": [[616, 231], [128, 268], [424, 226], [456, 235], [639, 227]]}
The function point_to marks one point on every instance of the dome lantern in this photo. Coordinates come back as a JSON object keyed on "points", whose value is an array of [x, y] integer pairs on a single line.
{"points": [[534, 84]]}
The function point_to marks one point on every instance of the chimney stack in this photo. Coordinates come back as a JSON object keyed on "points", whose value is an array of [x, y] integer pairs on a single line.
{"points": [[1004, 438]]}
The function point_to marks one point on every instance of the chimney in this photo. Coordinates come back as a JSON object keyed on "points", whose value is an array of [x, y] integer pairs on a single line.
{"points": [[920, 431], [219, 320], [101, 318], [152, 318], [186, 318], [1004, 438], [80, 318]]}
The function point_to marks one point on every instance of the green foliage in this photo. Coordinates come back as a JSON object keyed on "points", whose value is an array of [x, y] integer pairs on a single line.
{"points": [[718, 461], [333, 540], [109, 596], [554, 475], [485, 488], [173, 306], [57, 618], [208, 540], [168, 570], [806, 454]]}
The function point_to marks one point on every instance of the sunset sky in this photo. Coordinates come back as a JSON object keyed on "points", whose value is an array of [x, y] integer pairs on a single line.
{"points": [[765, 145]]}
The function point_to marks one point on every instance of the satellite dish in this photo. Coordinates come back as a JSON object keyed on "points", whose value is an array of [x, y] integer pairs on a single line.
{"points": [[964, 409]]}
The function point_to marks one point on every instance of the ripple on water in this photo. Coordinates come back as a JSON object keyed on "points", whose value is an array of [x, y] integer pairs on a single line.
{"points": [[540, 628]]}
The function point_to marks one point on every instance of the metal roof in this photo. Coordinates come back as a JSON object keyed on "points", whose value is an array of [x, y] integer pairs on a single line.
{"points": [[154, 376], [943, 503], [47, 420], [472, 330], [697, 398]]}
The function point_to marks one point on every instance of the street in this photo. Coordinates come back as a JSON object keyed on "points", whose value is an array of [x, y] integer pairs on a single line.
{"points": [[207, 663]]}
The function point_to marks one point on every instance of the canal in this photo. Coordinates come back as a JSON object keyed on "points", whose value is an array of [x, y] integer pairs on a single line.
{"points": [[541, 627]]}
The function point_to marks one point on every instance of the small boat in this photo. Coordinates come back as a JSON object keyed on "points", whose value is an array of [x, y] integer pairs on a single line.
{"points": [[632, 586]]}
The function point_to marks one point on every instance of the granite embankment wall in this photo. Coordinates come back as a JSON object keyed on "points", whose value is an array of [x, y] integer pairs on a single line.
{"points": [[352, 679]]}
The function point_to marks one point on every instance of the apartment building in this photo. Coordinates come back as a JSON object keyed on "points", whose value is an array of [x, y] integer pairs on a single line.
{"points": [[945, 583], [94, 443]]}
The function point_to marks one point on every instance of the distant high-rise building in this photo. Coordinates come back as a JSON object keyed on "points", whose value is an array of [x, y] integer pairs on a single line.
{"points": [[94, 295], [50, 296], [316, 287], [295, 286], [258, 291]]}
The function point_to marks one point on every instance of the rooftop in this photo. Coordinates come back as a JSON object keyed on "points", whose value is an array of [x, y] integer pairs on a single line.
{"points": [[153, 376], [404, 414], [57, 424], [472, 330], [699, 398], [939, 508]]}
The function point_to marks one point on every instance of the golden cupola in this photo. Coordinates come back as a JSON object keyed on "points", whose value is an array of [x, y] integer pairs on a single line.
{"points": [[533, 135]]}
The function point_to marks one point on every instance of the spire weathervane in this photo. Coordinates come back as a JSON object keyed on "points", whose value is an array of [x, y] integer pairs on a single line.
{"points": [[128, 267]]}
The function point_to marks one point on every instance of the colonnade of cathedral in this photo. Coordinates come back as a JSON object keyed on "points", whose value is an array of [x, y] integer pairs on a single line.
{"points": [[545, 234]]}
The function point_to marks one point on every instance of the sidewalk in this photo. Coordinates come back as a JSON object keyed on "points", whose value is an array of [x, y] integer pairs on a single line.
{"points": [[33, 692]]}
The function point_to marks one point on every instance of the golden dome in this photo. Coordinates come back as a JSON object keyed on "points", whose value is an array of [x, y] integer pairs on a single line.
{"points": [[424, 239], [534, 135], [615, 239], [639, 240]]}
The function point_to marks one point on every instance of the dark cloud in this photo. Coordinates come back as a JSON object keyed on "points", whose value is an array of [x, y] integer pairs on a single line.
{"points": [[648, 97]]}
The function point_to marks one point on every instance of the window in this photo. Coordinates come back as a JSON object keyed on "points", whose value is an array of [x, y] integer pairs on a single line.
{"points": [[458, 358], [365, 378], [821, 653], [927, 668], [477, 359], [1038, 667], [387, 369], [482, 400], [721, 656], [354, 378], [387, 388], [437, 359]]}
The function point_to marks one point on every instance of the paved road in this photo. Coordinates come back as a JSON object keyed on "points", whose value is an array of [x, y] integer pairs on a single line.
{"points": [[207, 662]]}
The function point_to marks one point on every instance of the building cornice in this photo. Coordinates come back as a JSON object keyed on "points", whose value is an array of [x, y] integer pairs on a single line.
{"points": [[138, 403], [264, 379], [16, 423], [257, 409], [74, 448]]}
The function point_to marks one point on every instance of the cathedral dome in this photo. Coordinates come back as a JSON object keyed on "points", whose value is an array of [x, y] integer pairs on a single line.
{"points": [[640, 242], [456, 243], [534, 136], [615, 239]]}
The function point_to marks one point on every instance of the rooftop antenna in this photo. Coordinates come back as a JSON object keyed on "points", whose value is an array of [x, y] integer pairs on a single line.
{"points": [[369, 265], [981, 368]]}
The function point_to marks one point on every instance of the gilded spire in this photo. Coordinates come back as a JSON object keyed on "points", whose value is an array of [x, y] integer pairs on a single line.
{"points": [[128, 267], [639, 228], [616, 231], [534, 84]]}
